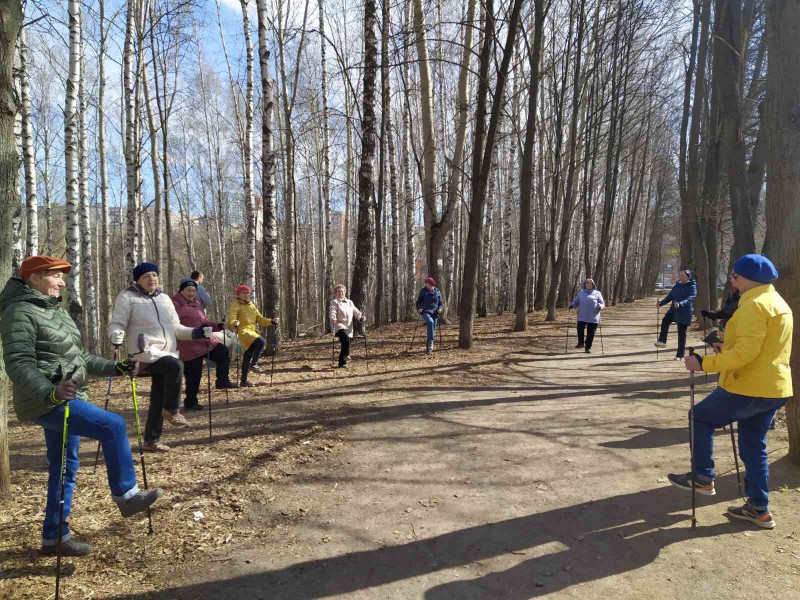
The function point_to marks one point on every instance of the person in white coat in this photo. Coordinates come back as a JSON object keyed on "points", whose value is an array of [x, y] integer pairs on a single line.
{"points": [[342, 313], [144, 318]]}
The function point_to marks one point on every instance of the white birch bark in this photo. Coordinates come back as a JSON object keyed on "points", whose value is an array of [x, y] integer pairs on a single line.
{"points": [[249, 196], [131, 143], [28, 154], [326, 177], [103, 241], [87, 276], [71, 152]]}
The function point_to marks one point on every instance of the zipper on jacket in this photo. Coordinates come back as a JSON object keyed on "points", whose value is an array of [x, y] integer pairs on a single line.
{"points": [[158, 318]]}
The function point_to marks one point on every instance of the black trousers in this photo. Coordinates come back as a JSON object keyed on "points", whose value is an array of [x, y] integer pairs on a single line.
{"points": [[252, 355], [165, 394], [590, 330], [345, 348], [193, 371], [665, 323]]}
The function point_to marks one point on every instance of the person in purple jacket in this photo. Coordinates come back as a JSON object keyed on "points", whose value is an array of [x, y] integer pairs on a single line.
{"points": [[589, 303]]}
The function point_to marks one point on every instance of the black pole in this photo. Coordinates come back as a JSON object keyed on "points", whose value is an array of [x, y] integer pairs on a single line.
{"points": [[61, 497], [105, 407], [208, 384], [691, 445], [141, 447]]}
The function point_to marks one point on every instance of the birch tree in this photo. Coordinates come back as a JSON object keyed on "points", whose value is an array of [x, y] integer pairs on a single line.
{"points": [[249, 195], [28, 153]]}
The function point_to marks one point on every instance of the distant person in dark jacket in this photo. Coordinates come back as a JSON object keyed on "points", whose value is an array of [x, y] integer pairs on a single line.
{"points": [[49, 368], [726, 312], [429, 306], [589, 303], [681, 311]]}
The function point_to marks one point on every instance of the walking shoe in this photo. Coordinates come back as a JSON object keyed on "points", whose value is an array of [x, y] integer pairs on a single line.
{"points": [[226, 385], [588, 350], [684, 481], [196, 406], [255, 369], [342, 365], [140, 502], [428, 350], [678, 358], [70, 547], [246, 384], [660, 344], [579, 345], [176, 420], [155, 447], [748, 513]]}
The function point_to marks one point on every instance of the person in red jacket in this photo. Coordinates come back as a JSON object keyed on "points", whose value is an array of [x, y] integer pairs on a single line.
{"points": [[192, 352]]}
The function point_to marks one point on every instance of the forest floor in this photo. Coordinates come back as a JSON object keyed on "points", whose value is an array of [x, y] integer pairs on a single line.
{"points": [[508, 471]]}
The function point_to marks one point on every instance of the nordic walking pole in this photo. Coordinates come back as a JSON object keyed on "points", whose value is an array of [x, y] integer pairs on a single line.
{"points": [[236, 327], [691, 444], [208, 382], [602, 348], [736, 461], [108, 396], [274, 352], [658, 315], [413, 335], [439, 327], [61, 497], [227, 395], [139, 437], [366, 352], [705, 345], [333, 350], [566, 339]]}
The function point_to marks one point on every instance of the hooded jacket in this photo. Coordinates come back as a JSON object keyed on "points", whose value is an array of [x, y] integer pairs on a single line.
{"points": [[683, 295], [248, 316], [150, 323], [758, 344], [589, 304], [41, 346], [192, 315]]}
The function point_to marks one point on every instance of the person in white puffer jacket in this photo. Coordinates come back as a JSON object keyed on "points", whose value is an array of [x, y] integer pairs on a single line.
{"points": [[145, 318]]}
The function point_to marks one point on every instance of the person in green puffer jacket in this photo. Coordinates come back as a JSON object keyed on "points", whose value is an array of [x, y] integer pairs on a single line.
{"points": [[49, 368]]}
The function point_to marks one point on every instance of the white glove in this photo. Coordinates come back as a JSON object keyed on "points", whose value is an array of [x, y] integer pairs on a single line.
{"points": [[207, 331], [117, 337], [236, 323]]}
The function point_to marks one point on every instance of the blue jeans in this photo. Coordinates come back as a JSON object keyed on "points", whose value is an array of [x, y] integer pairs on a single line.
{"points": [[90, 421], [430, 321], [753, 415]]}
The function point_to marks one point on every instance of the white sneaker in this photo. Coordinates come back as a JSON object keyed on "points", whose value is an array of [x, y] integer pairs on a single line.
{"points": [[661, 344]]}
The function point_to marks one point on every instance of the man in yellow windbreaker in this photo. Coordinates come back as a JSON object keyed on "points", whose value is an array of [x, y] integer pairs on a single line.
{"points": [[755, 381]]}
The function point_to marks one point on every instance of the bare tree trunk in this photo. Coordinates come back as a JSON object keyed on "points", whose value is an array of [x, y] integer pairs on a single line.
{"points": [[71, 152], [526, 174], [10, 24], [783, 175], [327, 286], [482, 162], [270, 257], [28, 152], [366, 183], [89, 295], [249, 195], [104, 240], [131, 141]]}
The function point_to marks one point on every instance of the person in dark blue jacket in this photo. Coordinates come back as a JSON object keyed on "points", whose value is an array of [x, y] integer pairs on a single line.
{"points": [[429, 306], [681, 311]]}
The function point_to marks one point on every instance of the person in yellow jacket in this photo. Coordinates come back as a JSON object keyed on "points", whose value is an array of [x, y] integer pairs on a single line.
{"points": [[755, 381], [245, 318]]}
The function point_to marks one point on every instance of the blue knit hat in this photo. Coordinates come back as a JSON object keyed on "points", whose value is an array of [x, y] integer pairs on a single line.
{"points": [[143, 268], [756, 267]]}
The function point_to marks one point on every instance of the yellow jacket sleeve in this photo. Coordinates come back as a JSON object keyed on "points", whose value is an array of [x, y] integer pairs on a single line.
{"points": [[751, 329], [261, 319]]}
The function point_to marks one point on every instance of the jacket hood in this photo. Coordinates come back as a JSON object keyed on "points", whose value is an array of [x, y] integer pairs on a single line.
{"points": [[17, 290], [594, 285]]}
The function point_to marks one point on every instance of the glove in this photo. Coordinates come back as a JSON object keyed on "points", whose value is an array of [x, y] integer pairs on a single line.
{"points": [[123, 367], [363, 319], [221, 326], [235, 323], [275, 320], [199, 333], [64, 392], [117, 337], [706, 314]]}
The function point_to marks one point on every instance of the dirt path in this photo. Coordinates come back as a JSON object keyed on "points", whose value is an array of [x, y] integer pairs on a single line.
{"points": [[509, 471], [547, 479]]}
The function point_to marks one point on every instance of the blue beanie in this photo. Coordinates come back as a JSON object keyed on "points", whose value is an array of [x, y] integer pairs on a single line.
{"points": [[756, 267], [143, 268]]}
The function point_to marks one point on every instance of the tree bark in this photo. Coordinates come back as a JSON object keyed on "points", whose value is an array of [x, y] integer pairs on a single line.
{"points": [[782, 115]]}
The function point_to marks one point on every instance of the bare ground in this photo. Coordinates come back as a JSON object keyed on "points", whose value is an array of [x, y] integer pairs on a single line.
{"points": [[508, 471]]}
